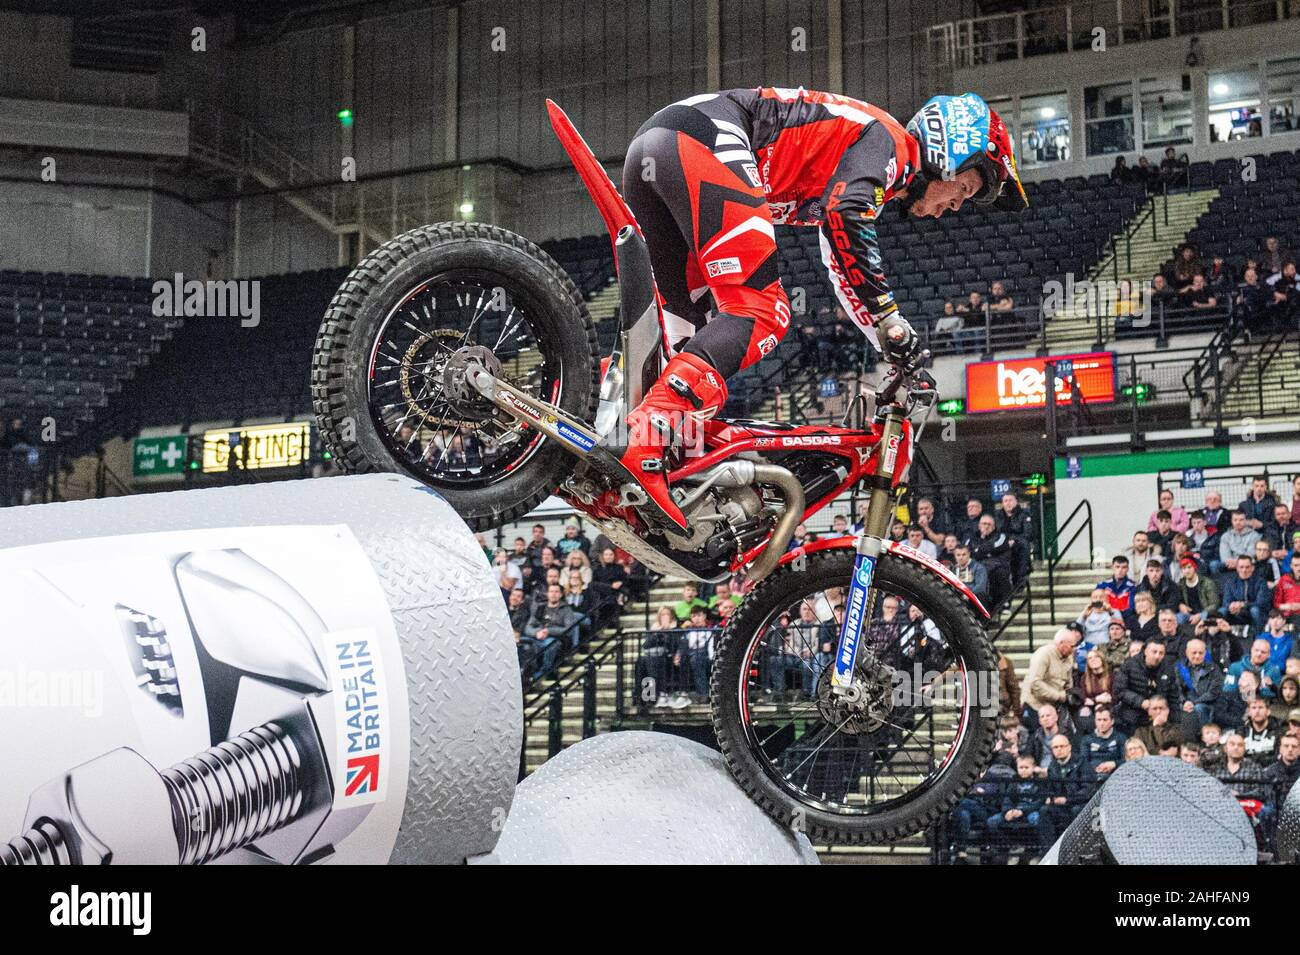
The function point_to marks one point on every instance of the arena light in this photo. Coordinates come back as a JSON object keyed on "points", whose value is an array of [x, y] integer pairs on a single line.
{"points": [[1047, 112], [1145, 392], [345, 117], [467, 209], [1220, 89]]}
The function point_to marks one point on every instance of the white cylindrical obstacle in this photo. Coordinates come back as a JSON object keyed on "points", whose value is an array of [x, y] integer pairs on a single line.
{"points": [[347, 632]]}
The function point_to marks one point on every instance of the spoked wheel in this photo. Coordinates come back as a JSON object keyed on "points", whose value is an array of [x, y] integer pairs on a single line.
{"points": [[899, 753], [388, 376]]}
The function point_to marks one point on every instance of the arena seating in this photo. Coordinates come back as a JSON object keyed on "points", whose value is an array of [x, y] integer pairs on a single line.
{"points": [[1248, 211], [68, 342]]}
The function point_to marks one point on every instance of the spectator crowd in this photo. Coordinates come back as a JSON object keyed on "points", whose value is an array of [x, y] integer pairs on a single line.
{"points": [[1187, 649], [560, 593]]}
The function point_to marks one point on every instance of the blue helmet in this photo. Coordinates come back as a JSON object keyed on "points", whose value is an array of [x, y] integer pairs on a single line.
{"points": [[957, 133]]}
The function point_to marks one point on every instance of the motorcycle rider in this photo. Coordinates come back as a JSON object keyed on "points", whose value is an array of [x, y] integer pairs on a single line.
{"points": [[708, 177]]}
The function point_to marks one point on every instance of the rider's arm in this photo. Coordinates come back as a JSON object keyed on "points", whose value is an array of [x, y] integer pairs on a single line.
{"points": [[850, 249]]}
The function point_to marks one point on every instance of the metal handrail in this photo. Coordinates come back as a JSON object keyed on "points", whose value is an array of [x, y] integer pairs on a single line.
{"points": [[1058, 552]]}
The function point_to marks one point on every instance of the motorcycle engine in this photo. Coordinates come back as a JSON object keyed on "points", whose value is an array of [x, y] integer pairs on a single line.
{"points": [[725, 521]]}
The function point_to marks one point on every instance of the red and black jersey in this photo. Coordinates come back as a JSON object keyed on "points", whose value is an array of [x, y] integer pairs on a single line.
{"points": [[831, 161]]}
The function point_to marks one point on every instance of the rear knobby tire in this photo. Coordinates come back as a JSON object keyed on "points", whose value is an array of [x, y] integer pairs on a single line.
{"points": [[958, 623], [341, 359]]}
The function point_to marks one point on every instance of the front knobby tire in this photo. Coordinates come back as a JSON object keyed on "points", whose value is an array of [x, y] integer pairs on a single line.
{"points": [[958, 624], [341, 360]]}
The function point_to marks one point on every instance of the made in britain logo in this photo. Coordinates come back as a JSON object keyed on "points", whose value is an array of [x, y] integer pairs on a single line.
{"points": [[361, 719]]}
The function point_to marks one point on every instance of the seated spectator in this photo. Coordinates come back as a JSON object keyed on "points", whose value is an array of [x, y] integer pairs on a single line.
{"points": [[948, 555], [573, 539], [1141, 678], [1267, 567], [1117, 648], [1279, 532], [579, 562], [1179, 522], [1171, 633], [978, 804], [1285, 290], [1008, 689], [1155, 583], [1120, 172], [1002, 306], [1190, 752], [1246, 597], [1161, 296], [1071, 783], [697, 653], [653, 667], [1103, 748], [551, 577], [506, 572], [1138, 555], [1161, 731], [969, 526], [1261, 733], [1204, 540], [1022, 817], [1197, 295], [884, 633], [1134, 748], [1146, 175], [1253, 300], [1120, 588], [578, 596], [1092, 689], [1279, 638], [1219, 278], [1048, 678], [1258, 505], [722, 594], [994, 551], [1162, 538], [1211, 747], [1267, 675], [839, 525], [1180, 549], [1015, 521], [1096, 618], [1287, 701], [973, 310], [1273, 257], [934, 525], [553, 620], [917, 542], [1173, 169], [1237, 541], [537, 544], [1039, 744], [1284, 772], [921, 643], [1187, 266], [1202, 683], [690, 600], [1243, 777], [1217, 518], [1146, 622]]}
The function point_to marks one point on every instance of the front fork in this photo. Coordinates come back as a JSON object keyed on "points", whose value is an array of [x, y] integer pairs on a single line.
{"points": [[861, 603]]}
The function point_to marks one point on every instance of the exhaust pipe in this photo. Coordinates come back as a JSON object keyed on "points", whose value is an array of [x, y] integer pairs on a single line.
{"points": [[743, 473]]}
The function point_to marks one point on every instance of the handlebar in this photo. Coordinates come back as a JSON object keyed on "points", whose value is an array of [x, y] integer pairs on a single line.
{"points": [[916, 379]]}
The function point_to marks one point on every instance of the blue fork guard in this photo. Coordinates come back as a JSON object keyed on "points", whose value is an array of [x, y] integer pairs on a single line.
{"points": [[846, 651]]}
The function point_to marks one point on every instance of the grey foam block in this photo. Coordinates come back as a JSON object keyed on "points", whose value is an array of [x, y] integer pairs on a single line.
{"points": [[644, 799]]}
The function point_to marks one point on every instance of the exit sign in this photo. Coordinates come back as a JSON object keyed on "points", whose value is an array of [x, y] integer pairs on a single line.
{"points": [[157, 457]]}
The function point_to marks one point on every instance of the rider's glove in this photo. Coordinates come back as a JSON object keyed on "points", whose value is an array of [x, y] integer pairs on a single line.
{"points": [[900, 343]]}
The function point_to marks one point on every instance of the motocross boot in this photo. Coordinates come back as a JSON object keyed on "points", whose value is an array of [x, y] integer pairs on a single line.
{"points": [[688, 388]]}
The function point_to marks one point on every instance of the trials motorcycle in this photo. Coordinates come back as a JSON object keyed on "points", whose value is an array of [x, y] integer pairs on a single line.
{"points": [[854, 690]]}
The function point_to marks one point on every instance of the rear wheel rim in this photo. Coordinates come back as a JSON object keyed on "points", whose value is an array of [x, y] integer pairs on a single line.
{"points": [[454, 442], [837, 763]]}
